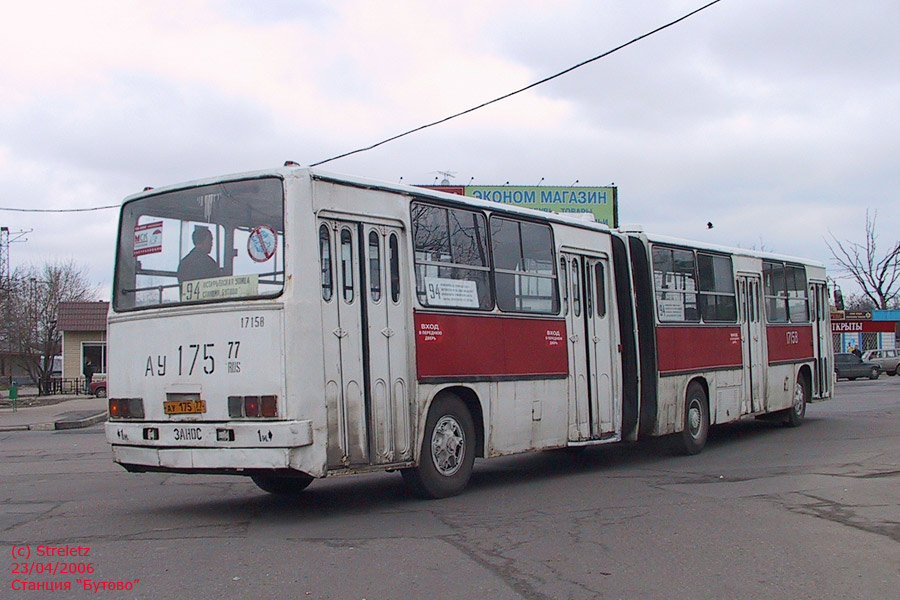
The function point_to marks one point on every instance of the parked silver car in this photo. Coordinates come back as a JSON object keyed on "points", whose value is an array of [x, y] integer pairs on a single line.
{"points": [[887, 358]]}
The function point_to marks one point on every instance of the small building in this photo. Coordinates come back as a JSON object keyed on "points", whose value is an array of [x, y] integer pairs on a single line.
{"points": [[865, 330], [83, 328]]}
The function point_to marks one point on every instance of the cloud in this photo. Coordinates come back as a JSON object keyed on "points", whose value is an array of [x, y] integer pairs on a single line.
{"points": [[776, 121]]}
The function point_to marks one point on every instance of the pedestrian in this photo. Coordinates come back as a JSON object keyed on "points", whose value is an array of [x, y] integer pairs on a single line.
{"points": [[88, 375]]}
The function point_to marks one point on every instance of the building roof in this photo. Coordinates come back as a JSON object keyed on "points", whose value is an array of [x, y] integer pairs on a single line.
{"points": [[82, 316]]}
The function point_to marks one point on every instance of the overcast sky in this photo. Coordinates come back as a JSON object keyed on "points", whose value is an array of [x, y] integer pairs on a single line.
{"points": [[776, 120]]}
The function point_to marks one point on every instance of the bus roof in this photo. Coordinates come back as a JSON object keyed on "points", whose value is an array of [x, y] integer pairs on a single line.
{"points": [[421, 192], [674, 241], [366, 183]]}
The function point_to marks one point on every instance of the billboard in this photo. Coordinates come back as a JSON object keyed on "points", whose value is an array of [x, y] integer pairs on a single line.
{"points": [[599, 201]]}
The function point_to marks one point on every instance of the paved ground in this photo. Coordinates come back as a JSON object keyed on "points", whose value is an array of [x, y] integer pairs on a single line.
{"points": [[809, 513], [50, 412]]}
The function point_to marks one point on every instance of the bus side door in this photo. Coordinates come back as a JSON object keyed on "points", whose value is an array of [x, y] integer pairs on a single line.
{"points": [[365, 338], [750, 310], [591, 378]]}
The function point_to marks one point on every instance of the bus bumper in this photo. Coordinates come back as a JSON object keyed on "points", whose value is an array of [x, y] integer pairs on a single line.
{"points": [[186, 446]]}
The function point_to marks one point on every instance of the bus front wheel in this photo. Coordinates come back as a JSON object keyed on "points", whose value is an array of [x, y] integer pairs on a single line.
{"points": [[692, 438], [448, 451], [794, 415], [275, 484]]}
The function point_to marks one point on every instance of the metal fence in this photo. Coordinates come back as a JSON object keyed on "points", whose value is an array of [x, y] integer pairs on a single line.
{"points": [[72, 385], [55, 385]]}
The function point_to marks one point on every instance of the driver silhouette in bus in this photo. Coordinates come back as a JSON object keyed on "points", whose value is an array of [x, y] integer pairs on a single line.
{"points": [[198, 264]]}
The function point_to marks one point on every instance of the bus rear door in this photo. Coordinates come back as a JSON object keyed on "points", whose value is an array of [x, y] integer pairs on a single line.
{"points": [[364, 312]]}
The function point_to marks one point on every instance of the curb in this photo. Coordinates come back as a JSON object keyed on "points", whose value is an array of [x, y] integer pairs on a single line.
{"points": [[77, 420]]}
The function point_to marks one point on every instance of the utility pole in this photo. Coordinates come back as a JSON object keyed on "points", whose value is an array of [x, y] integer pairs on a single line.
{"points": [[18, 236], [6, 288], [4, 257]]}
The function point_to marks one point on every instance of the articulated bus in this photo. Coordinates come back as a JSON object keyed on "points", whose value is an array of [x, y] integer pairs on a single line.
{"points": [[294, 324]]}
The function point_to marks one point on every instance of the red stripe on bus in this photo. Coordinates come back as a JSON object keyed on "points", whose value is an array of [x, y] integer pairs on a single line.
{"points": [[489, 346], [698, 348], [789, 343]]}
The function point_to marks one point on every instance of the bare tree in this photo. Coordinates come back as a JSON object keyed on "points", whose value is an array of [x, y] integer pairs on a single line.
{"points": [[34, 297], [878, 276]]}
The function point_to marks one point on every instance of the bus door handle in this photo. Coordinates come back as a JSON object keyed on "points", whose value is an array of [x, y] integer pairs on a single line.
{"points": [[387, 332], [573, 338], [340, 332]]}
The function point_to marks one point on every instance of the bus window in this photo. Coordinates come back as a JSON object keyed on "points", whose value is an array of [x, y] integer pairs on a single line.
{"points": [[798, 302], [576, 289], [775, 293], [564, 284], [451, 258], [600, 275], [374, 266], [325, 258], [675, 280], [395, 268], [717, 301], [785, 291], [214, 243], [347, 264], [524, 272]]}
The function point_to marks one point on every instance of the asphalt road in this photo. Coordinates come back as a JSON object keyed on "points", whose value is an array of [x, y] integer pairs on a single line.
{"points": [[763, 512]]}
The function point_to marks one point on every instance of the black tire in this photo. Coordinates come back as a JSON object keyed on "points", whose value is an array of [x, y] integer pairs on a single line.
{"points": [[101, 392], [696, 421], [874, 373], [281, 485], [448, 451], [897, 369], [795, 414], [851, 379]]}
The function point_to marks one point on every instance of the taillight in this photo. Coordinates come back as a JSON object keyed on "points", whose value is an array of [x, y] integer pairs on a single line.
{"points": [[253, 407], [126, 408], [268, 406]]}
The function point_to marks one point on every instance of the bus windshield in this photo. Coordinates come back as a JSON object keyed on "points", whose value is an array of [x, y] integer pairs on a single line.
{"points": [[212, 243]]}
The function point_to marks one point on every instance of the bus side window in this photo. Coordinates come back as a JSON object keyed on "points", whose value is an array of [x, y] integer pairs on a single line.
{"points": [[576, 290], [374, 266], [347, 264], [600, 275], [564, 285], [394, 259], [325, 258]]}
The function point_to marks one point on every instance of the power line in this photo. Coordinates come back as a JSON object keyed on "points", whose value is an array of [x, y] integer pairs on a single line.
{"points": [[520, 90], [60, 210], [438, 122]]}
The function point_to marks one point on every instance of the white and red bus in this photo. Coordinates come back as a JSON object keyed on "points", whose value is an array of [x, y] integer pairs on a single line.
{"points": [[294, 324]]}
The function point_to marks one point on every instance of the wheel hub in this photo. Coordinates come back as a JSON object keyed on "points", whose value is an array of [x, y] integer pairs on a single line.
{"points": [[448, 444]]}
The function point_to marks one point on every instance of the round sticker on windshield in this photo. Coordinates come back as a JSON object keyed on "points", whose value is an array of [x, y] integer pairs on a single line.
{"points": [[262, 243]]}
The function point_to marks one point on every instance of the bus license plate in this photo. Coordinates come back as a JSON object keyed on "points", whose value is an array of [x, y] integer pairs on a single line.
{"points": [[184, 407]]}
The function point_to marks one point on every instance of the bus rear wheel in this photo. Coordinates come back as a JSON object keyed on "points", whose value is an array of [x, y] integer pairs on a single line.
{"points": [[794, 415], [281, 485], [448, 451], [692, 438]]}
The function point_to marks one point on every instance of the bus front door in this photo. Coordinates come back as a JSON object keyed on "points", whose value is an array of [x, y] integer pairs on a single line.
{"points": [[365, 329], [824, 375], [591, 378], [749, 288]]}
